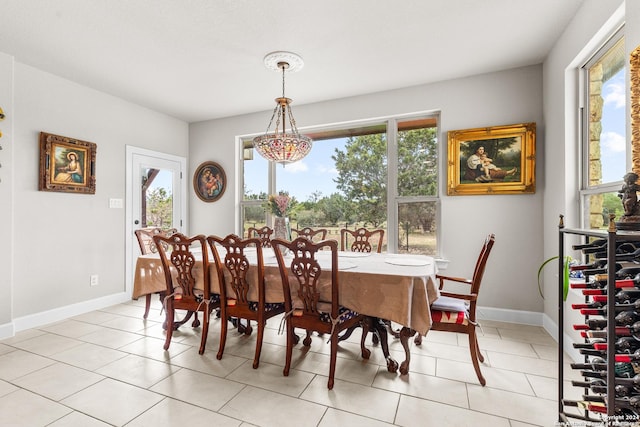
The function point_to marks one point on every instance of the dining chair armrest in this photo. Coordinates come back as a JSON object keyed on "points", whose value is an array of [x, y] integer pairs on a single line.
{"points": [[468, 297], [451, 279]]}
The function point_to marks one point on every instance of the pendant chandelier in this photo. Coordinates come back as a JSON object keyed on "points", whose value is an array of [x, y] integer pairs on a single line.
{"points": [[279, 145]]}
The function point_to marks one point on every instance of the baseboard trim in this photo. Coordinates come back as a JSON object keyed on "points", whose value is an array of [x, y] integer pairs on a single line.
{"points": [[509, 316], [55, 315], [7, 330]]}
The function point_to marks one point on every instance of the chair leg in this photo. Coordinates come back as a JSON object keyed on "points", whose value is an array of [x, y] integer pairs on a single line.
{"points": [[147, 304], [290, 341], [332, 360], [223, 336], [169, 321], [256, 358], [205, 329], [475, 355]]}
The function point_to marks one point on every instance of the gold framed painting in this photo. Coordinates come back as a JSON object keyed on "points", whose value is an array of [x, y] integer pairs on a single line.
{"points": [[492, 160], [67, 165]]}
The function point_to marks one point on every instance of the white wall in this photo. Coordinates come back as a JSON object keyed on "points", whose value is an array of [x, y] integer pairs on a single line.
{"points": [[60, 238], [6, 194], [508, 97], [594, 19]]}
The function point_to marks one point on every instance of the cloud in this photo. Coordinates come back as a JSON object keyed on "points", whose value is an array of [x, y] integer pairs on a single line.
{"points": [[615, 94], [296, 167], [323, 169], [612, 142]]}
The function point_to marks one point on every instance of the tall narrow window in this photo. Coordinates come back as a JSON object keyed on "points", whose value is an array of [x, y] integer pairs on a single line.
{"points": [[605, 151]]}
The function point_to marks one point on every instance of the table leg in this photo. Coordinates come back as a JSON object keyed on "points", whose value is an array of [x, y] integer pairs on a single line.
{"points": [[405, 334], [379, 330]]}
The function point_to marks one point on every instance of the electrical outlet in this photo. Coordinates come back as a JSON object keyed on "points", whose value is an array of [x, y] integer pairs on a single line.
{"points": [[93, 280]]}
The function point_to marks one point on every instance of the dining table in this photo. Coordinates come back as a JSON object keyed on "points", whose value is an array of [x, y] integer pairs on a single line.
{"points": [[386, 287]]}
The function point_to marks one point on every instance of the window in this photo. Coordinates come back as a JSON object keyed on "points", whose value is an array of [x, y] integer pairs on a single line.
{"points": [[604, 147], [375, 175]]}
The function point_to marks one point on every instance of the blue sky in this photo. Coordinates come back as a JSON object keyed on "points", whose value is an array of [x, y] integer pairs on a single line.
{"points": [[314, 173], [613, 141]]}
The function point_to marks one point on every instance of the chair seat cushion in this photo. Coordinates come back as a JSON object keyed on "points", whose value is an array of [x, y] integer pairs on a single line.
{"points": [[268, 306], [445, 316], [446, 303], [344, 314]]}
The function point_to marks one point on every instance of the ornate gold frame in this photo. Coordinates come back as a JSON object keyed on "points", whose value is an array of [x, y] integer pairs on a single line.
{"points": [[634, 70], [55, 162], [512, 144]]}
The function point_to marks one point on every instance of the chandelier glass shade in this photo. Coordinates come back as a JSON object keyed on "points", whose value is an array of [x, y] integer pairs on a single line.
{"points": [[284, 144]]}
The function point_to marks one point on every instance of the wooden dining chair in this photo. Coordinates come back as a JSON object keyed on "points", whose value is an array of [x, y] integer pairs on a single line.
{"points": [[456, 312], [264, 234], [183, 292], [314, 235], [147, 246], [311, 296], [361, 240], [242, 295]]}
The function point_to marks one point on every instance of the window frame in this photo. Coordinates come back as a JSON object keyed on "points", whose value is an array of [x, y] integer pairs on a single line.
{"points": [[587, 190], [393, 198]]}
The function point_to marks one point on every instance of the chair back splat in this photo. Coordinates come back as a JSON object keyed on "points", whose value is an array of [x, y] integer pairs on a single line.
{"points": [[309, 276], [264, 234], [182, 258], [318, 234], [242, 287], [362, 240], [456, 312]]}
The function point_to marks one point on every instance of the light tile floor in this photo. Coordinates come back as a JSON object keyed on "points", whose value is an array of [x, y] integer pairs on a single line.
{"points": [[108, 367]]}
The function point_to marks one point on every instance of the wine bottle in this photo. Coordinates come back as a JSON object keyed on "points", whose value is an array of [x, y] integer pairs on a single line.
{"points": [[599, 263], [591, 344], [596, 382], [627, 295], [622, 345], [620, 256], [621, 246], [601, 282], [596, 364], [592, 244], [625, 319], [622, 331]]}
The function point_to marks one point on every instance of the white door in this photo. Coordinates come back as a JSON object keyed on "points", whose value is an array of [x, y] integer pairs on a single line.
{"points": [[156, 197]]}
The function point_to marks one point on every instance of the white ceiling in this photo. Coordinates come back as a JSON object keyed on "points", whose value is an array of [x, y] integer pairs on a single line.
{"points": [[202, 59]]}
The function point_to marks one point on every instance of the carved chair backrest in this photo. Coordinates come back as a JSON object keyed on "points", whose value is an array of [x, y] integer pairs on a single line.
{"points": [[145, 238], [363, 240], [182, 266], [300, 273], [264, 234], [311, 234], [232, 263]]}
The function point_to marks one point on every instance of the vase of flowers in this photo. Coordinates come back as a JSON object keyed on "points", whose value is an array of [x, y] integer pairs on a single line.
{"points": [[279, 206]]}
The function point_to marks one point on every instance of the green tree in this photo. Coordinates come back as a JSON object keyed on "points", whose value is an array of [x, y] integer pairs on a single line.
{"points": [[159, 208], [417, 176], [336, 208], [362, 176], [417, 162]]}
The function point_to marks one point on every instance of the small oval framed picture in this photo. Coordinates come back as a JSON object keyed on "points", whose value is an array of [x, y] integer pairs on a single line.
{"points": [[209, 181]]}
